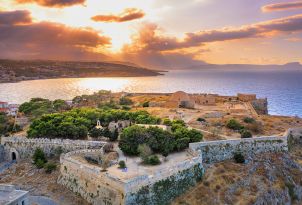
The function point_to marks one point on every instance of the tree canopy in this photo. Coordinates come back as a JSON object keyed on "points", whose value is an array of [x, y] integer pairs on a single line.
{"points": [[76, 123]]}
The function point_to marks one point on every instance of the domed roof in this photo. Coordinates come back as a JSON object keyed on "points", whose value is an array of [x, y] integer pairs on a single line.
{"points": [[180, 96]]}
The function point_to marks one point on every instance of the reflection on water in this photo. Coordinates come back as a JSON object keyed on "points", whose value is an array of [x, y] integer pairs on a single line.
{"points": [[283, 88]]}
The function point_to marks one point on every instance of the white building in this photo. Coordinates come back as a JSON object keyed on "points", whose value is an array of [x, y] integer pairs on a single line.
{"points": [[9, 195]]}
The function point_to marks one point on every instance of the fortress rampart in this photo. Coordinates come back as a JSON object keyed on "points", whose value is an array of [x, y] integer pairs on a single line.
{"points": [[24, 147]]}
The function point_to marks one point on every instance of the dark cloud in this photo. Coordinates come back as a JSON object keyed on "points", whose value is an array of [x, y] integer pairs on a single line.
{"points": [[282, 6], [127, 15], [53, 3], [47, 40], [15, 17]]}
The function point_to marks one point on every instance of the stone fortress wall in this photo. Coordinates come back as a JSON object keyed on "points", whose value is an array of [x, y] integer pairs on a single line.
{"points": [[216, 151], [165, 184], [99, 187], [24, 148]]}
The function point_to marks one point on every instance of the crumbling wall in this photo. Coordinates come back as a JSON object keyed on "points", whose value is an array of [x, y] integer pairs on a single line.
{"points": [[25, 147], [216, 151], [260, 106]]}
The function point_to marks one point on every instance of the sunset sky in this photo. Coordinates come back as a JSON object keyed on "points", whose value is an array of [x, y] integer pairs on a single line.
{"points": [[154, 33]]}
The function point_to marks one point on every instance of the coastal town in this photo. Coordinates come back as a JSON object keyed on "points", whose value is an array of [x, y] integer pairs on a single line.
{"points": [[108, 147]]}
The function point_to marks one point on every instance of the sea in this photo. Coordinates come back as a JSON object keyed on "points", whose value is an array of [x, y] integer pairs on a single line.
{"points": [[282, 87]]}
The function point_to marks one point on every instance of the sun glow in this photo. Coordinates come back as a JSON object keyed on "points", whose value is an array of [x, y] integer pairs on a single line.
{"points": [[80, 16]]}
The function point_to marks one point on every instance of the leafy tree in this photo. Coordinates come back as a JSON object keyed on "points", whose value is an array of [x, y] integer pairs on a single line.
{"points": [[36, 107], [131, 138], [76, 123], [6, 124], [60, 105], [159, 140]]}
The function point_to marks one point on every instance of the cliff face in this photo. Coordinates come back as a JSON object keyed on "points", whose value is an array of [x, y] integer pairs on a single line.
{"points": [[265, 179]]}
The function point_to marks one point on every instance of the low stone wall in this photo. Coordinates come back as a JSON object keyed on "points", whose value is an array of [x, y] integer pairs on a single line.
{"points": [[100, 188], [216, 151], [25, 148]]}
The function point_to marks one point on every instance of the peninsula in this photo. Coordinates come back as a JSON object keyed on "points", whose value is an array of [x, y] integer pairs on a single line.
{"points": [[20, 70]]}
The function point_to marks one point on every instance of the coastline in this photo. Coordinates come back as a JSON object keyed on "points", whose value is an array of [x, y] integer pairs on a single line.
{"points": [[124, 75]]}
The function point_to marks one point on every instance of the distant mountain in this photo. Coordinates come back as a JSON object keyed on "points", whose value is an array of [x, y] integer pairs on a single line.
{"points": [[292, 65]]}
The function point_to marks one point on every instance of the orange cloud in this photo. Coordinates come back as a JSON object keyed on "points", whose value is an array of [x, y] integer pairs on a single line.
{"points": [[15, 17], [151, 47], [52, 3], [282, 6], [150, 38], [127, 15], [47, 40]]}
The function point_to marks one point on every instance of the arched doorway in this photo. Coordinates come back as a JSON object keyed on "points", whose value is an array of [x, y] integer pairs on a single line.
{"points": [[14, 156]]}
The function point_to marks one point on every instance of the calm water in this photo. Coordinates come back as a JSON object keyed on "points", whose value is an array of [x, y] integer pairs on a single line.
{"points": [[283, 88]]}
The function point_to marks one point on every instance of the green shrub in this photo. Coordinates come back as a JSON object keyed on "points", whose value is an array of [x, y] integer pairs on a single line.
{"points": [[49, 167], [125, 101], [239, 158], [122, 164], [153, 160], [182, 143], [125, 107], [146, 104], [39, 158], [144, 152], [248, 120], [234, 125], [39, 163], [246, 134], [167, 122], [95, 132], [200, 119]]}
